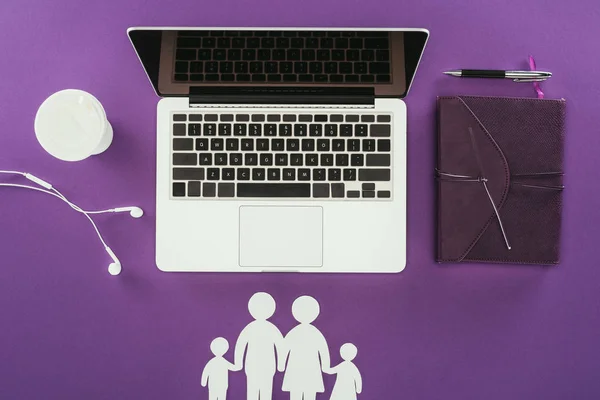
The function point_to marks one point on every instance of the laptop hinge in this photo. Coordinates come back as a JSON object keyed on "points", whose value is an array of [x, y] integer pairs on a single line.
{"points": [[202, 96]]}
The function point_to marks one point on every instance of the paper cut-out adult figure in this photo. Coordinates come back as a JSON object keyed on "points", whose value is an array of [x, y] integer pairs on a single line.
{"points": [[306, 352], [216, 371], [261, 341], [348, 382]]}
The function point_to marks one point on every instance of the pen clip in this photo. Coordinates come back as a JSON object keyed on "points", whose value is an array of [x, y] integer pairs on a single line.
{"points": [[530, 79]]}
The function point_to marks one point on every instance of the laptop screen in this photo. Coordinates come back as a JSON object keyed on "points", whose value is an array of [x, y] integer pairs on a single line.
{"points": [[180, 58]]}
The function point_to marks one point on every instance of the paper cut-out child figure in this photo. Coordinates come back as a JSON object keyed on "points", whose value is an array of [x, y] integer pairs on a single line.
{"points": [[348, 382], [216, 371]]}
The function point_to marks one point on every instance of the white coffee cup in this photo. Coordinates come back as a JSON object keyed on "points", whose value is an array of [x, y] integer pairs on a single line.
{"points": [[71, 125]]}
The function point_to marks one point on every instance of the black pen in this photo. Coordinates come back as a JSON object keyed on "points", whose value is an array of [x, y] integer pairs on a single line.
{"points": [[517, 76]]}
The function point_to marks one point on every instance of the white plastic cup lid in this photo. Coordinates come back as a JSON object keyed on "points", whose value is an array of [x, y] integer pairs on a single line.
{"points": [[71, 125]]}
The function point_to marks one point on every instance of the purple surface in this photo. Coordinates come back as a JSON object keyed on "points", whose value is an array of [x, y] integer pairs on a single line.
{"points": [[69, 330]]}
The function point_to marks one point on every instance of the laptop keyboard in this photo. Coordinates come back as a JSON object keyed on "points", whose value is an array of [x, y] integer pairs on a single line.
{"points": [[299, 155], [282, 57]]}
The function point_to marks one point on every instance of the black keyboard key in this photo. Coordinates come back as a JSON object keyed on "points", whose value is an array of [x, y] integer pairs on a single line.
{"points": [[293, 54], [384, 118], [255, 129], [352, 118], [320, 118], [289, 78], [209, 42], [235, 159], [216, 144], [247, 145], [213, 174], [196, 67], [367, 118], [226, 189], [338, 190], [202, 144], [271, 67], [273, 117], [334, 174], [360, 130], [360, 68], [231, 144], [185, 54], [211, 117], [273, 190], [312, 43], [378, 160], [259, 78], [251, 159], [282, 43], [327, 43], [256, 67], [357, 160], [262, 144], [258, 174], [342, 160], [368, 186], [228, 174], [351, 78], [279, 55], [211, 77], [331, 130], [293, 145], [326, 160], [289, 174], [273, 174], [225, 67], [321, 78], [319, 174], [368, 194], [197, 77], [383, 78], [263, 54], [238, 43], [368, 145], [179, 117], [374, 175], [205, 54], [252, 43], [258, 118], [185, 159], [178, 189], [352, 55], [312, 160], [367, 78], [379, 68], [274, 77], [315, 67], [300, 67], [305, 78], [211, 67], [331, 68], [300, 130], [183, 144], [281, 159], [379, 43], [178, 129], [194, 189], [225, 129], [194, 129], [195, 117], [286, 67], [208, 189], [296, 159], [239, 129], [277, 144], [345, 68], [349, 174], [289, 118], [323, 55], [205, 158], [353, 145], [267, 43], [356, 43], [382, 55], [316, 129], [241, 67], [234, 55], [297, 43], [308, 145], [308, 55], [243, 174], [384, 194], [181, 67], [320, 190], [384, 145], [338, 145], [336, 78], [305, 118], [248, 55], [188, 174], [304, 174], [336, 118], [341, 43], [221, 159], [322, 145], [338, 55], [345, 130], [210, 129], [266, 159], [353, 194], [285, 130], [223, 42]]}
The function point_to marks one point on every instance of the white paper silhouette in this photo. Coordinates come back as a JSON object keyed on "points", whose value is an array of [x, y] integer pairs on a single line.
{"points": [[306, 353], [261, 342], [348, 382], [216, 371]]}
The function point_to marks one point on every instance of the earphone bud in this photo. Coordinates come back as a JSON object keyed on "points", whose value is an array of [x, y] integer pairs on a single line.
{"points": [[114, 268], [135, 212]]}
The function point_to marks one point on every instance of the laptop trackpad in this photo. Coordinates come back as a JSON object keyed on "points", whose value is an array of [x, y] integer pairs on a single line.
{"points": [[281, 236]]}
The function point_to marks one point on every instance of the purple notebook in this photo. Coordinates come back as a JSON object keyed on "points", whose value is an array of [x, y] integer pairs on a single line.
{"points": [[500, 179]]}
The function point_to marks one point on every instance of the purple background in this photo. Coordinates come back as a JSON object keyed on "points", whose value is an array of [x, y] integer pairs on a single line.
{"points": [[69, 330]]}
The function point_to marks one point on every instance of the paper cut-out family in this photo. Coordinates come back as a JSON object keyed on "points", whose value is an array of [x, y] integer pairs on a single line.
{"points": [[303, 355]]}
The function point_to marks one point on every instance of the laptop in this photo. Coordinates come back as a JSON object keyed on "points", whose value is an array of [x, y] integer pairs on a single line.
{"points": [[280, 149]]}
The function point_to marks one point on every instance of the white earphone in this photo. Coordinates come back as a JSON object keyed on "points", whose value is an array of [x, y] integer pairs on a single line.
{"points": [[115, 267]]}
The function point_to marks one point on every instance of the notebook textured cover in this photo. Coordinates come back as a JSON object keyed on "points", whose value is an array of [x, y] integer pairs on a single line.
{"points": [[499, 177]]}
